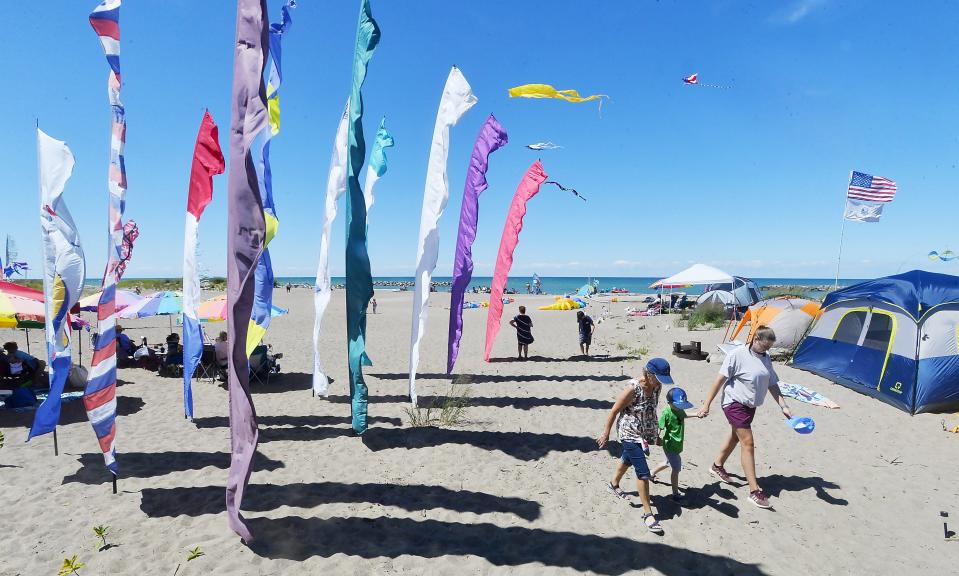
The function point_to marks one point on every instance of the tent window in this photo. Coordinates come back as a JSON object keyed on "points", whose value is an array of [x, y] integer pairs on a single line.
{"points": [[850, 327], [879, 333]]}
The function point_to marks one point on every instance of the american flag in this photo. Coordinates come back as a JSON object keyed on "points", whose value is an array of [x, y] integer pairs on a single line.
{"points": [[871, 188]]}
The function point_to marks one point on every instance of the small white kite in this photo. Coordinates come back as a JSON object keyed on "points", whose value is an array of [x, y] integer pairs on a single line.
{"points": [[543, 146]]}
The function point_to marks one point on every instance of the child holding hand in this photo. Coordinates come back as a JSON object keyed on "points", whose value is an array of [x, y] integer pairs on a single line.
{"points": [[672, 423]]}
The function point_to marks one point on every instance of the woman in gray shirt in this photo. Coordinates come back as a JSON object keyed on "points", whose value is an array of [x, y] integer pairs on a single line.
{"points": [[745, 376]]}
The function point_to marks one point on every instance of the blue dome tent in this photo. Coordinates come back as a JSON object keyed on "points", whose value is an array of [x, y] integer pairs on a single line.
{"points": [[894, 338]]}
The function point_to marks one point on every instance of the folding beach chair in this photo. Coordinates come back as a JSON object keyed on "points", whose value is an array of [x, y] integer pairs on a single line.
{"points": [[263, 364], [207, 368]]}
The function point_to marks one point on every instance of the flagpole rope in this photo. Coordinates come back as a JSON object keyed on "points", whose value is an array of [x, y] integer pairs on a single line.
{"points": [[842, 234]]}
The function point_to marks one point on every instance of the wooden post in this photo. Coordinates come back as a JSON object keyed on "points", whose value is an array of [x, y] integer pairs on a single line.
{"points": [[114, 483], [56, 447]]}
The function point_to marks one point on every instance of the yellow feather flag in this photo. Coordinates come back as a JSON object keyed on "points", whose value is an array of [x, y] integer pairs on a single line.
{"points": [[547, 91]]}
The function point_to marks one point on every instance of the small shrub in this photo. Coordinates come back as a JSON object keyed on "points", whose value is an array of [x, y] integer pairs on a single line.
{"points": [[708, 316], [778, 291], [448, 411], [194, 554], [638, 353]]}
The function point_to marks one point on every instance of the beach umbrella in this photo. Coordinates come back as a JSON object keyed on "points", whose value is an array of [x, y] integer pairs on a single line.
{"points": [[17, 312], [124, 299], [22, 307], [160, 304], [215, 310]]}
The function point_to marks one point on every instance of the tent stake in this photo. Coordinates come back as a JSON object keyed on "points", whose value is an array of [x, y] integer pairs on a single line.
{"points": [[56, 447], [114, 483]]}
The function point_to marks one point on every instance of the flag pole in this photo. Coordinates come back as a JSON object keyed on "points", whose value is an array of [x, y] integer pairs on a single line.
{"points": [[842, 233]]}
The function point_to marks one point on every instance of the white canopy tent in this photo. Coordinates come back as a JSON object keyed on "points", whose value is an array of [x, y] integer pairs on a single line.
{"points": [[697, 274]]}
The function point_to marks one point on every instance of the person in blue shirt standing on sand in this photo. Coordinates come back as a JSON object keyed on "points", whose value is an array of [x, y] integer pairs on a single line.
{"points": [[638, 428]]}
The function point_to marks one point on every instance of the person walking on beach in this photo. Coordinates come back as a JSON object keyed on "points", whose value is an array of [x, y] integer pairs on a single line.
{"points": [[638, 428], [745, 376], [672, 422], [373, 305], [524, 333], [586, 329]]}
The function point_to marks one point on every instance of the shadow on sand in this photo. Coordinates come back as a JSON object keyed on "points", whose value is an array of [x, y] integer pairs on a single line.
{"points": [[153, 464], [197, 501], [71, 412], [499, 378], [575, 358], [526, 446], [297, 539], [777, 484], [287, 420], [521, 403]]}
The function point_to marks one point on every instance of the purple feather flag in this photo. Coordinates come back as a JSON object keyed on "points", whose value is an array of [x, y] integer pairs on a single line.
{"points": [[246, 230], [492, 136]]}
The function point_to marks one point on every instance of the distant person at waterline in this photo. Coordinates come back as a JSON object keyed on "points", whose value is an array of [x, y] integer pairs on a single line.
{"points": [[745, 376], [586, 329]]}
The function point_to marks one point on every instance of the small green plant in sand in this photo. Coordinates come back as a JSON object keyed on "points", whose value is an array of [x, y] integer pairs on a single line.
{"points": [[194, 554], [637, 353], [70, 566], [709, 316], [1, 439], [101, 532], [631, 352], [448, 411]]}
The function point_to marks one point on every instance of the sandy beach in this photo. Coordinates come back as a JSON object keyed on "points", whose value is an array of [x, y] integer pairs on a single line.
{"points": [[518, 488]]}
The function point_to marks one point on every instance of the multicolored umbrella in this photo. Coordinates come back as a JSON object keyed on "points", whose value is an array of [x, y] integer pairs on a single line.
{"points": [[159, 304], [215, 310], [17, 312], [22, 307], [124, 299]]}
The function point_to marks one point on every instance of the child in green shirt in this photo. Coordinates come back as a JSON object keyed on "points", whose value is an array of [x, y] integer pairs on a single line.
{"points": [[672, 422]]}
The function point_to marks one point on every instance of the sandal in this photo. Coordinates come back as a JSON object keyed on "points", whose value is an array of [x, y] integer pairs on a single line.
{"points": [[653, 526], [616, 491]]}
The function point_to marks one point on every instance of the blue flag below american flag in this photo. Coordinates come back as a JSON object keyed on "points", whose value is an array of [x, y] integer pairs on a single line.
{"points": [[870, 188]]}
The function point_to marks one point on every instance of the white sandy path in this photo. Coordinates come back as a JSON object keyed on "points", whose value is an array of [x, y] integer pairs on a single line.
{"points": [[519, 489]]}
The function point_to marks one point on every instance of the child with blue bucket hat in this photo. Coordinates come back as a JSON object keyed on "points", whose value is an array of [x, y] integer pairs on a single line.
{"points": [[672, 422]]}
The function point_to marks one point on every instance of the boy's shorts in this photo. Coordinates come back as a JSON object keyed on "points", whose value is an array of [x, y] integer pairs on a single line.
{"points": [[675, 461], [633, 454]]}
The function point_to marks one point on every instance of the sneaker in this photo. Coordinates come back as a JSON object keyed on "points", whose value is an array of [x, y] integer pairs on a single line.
{"points": [[760, 499], [720, 472]]}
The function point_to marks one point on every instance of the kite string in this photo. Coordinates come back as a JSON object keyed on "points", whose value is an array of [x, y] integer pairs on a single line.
{"points": [[565, 189]]}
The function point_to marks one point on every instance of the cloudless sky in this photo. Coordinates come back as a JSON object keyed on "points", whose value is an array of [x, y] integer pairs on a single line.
{"points": [[751, 178]]}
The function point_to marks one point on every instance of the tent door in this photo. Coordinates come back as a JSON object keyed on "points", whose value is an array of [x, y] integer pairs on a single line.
{"points": [[868, 365]]}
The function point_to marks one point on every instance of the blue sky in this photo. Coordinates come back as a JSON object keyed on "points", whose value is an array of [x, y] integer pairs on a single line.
{"points": [[751, 178]]}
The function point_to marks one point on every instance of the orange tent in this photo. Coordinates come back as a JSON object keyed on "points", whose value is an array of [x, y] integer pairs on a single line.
{"points": [[788, 317]]}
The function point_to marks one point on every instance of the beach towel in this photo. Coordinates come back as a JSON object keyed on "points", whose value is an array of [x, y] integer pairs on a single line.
{"points": [[806, 395]]}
